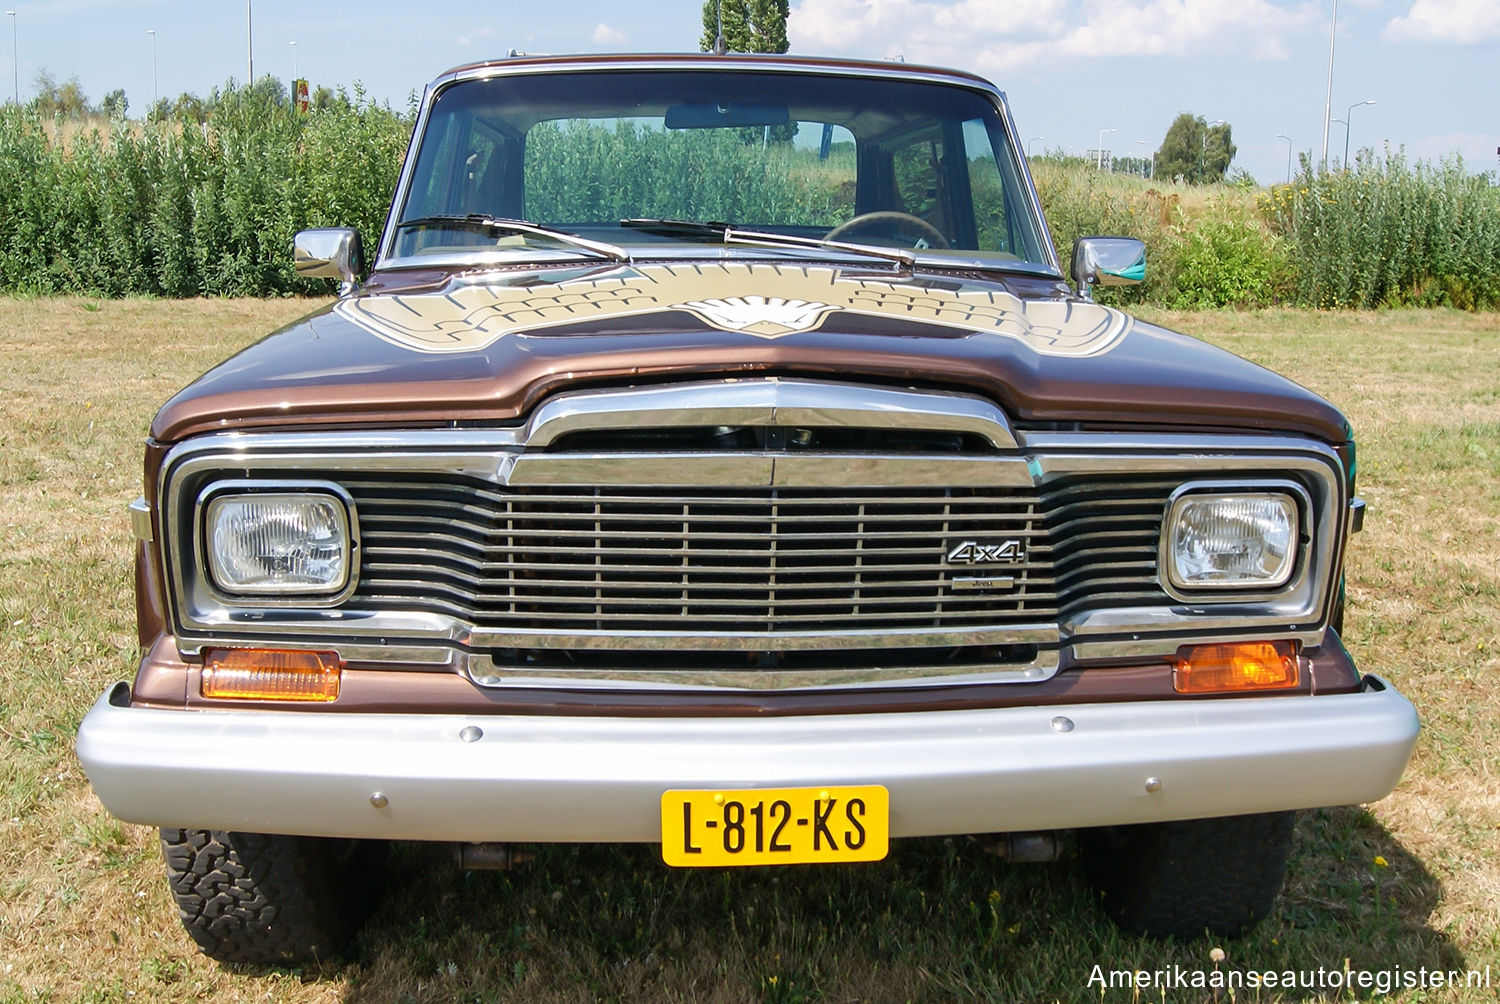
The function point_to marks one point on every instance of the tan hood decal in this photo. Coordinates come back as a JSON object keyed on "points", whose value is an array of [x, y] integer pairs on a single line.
{"points": [[730, 297]]}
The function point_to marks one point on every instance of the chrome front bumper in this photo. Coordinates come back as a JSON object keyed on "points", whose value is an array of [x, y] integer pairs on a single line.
{"points": [[537, 778]]}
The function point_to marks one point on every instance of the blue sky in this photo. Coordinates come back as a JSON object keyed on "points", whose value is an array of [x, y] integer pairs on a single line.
{"points": [[1070, 67]]}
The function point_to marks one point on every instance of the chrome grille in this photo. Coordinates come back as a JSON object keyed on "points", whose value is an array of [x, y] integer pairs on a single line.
{"points": [[752, 561]]}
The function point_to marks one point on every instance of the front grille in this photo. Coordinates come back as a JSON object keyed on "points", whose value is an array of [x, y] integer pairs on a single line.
{"points": [[751, 562]]}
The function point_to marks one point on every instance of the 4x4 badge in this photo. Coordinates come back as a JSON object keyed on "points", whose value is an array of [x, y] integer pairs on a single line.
{"points": [[974, 552]]}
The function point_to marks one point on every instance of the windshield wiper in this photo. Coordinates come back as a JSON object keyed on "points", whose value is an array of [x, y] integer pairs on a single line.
{"points": [[479, 221], [757, 238], [678, 228]]}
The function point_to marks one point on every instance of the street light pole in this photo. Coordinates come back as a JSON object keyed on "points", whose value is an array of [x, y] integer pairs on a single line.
{"points": [[1348, 117], [1141, 142], [1028, 145], [1288, 155], [1101, 146], [296, 72], [15, 59], [249, 49], [1328, 96], [155, 96]]}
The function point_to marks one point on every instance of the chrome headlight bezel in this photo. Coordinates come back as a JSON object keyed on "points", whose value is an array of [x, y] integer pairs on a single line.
{"points": [[340, 507], [1298, 508]]}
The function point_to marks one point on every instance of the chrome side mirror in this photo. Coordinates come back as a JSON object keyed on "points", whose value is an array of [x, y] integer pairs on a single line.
{"points": [[329, 253], [1108, 261]]}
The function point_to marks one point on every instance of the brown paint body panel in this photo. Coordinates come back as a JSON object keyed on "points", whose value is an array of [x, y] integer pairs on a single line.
{"points": [[325, 371], [167, 680]]}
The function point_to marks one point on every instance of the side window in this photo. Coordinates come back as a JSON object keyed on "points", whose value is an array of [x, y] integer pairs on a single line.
{"points": [[992, 213]]}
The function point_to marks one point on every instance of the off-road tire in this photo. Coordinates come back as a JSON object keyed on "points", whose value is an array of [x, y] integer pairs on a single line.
{"points": [[1182, 879], [268, 899]]}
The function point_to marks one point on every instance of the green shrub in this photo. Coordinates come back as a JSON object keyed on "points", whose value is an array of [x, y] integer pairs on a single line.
{"points": [[185, 210], [1227, 260], [1389, 232], [193, 209]]}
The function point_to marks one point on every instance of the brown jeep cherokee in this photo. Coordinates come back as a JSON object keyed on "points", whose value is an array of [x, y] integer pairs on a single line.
{"points": [[715, 456]]}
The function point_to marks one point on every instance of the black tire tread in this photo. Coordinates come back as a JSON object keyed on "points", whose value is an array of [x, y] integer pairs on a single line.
{"points": [[256, 898], [1183, 879]]}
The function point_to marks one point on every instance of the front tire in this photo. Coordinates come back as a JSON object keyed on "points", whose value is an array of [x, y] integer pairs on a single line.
{"points": [[267, 899], [1184, 878]]}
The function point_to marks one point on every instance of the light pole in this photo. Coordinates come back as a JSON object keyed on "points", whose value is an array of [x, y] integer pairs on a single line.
{"points": [[1328, 96], [1203, 150], [1349, 115], [155, 97], [1141, 142], [1028, 145], [1101, 146], [296, 73], [249, 49], [15, 60], [1288, 139]]}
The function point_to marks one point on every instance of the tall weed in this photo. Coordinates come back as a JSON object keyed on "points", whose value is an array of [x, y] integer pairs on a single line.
{"points": [[182, 210], [187, 210], [1389, 233]]}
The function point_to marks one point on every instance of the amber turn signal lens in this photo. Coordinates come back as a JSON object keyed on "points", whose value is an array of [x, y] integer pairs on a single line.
{"points": [[1230, 669], [271, 674]]}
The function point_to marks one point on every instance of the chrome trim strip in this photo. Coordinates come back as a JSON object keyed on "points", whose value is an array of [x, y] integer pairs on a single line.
{"points": [[140, 519], [756, 470], [486, 674], [772, 401], [241, 629], [550, 778], [1226, 630]]}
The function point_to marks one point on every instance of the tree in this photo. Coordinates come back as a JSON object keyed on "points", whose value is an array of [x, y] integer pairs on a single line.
{"points": [[1218, 151], [187, 108], [67, 99], [749, 25], [114, 104], [1195, 151]]}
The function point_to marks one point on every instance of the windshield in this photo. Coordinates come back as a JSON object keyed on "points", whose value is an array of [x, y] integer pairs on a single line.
{"points": [[642, 159]]}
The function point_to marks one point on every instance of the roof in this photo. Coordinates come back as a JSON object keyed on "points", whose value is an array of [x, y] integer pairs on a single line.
{"points": [[707, 60]]}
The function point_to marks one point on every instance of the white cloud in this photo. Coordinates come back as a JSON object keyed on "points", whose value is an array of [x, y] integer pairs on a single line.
{"points": [[995, 35], [476, 35], [1460, 21], [605, 35]]}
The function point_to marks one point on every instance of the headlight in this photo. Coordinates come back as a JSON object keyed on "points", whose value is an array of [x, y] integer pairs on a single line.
{"points": [[279, 543], [1245, 540]]}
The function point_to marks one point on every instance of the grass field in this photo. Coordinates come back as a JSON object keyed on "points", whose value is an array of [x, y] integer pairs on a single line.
{"points": [[1413, 881]]}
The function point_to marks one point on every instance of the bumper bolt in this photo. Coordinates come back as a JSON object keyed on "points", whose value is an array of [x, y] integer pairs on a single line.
{"points": [[1062, 724], [1153, 784], [379, 800], [471, 734]]}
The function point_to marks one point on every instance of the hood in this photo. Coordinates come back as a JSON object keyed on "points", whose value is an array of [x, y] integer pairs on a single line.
{"points": [[431, 348]]}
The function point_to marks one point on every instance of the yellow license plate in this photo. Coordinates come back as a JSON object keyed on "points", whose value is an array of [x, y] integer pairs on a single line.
{"points": [[775, 826]]}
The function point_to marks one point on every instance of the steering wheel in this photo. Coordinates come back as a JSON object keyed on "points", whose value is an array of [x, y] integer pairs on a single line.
{"points": [[864, 221]]}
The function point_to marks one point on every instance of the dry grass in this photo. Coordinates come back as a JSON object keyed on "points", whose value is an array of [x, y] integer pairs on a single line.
{"points": [[84, 913]]}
